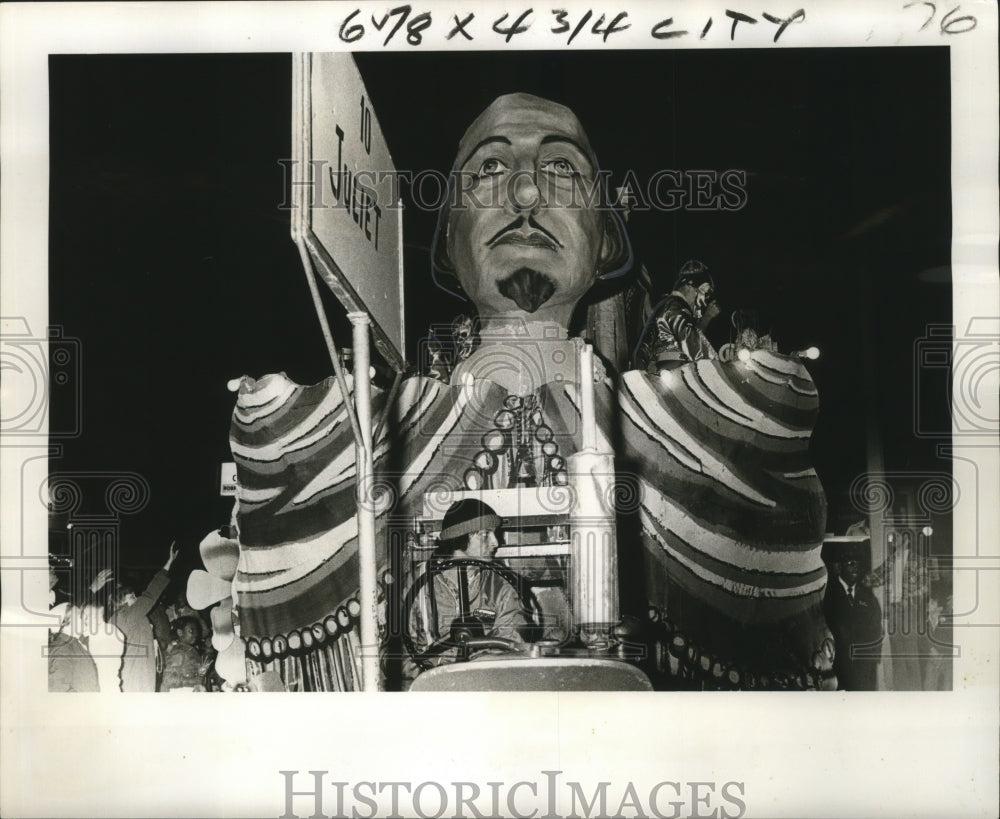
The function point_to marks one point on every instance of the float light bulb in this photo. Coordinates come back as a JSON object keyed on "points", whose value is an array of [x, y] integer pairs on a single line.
{"points": [[743, 355], [812, 353], [927, 531]]}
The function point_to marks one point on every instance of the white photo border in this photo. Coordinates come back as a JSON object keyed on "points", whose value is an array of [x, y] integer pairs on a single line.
{"points": [[880, 754]]}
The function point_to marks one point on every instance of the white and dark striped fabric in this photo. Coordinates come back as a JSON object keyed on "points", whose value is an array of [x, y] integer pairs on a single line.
{"points": [[721, 512]]}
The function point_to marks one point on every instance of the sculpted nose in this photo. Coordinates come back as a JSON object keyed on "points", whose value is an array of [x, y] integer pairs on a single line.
{"points": [[523, 195]]}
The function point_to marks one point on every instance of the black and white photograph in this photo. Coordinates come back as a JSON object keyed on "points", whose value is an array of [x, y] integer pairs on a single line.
{"points": [[619, 384]]}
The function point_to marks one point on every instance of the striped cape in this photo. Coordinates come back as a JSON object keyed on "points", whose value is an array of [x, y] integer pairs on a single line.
{"points": [[731, 514], [721, 516], [297, 580]]}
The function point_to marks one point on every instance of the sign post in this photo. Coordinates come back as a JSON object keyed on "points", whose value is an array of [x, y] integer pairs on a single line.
{"points": [[348, 224], [364, 458]]}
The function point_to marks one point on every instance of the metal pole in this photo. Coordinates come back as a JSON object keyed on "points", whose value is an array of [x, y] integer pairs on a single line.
{"points": [[331, 346], [588, 433], [593, 546], [366, 505]]}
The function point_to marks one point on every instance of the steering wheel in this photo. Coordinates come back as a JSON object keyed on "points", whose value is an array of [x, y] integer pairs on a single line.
{"points": [[466, 632]]}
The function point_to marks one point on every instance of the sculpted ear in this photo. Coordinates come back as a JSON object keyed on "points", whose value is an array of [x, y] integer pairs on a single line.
{"points": [[615, 256], [442, 252], [443, 270]]}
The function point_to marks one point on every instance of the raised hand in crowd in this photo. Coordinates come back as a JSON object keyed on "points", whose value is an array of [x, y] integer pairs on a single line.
{"points": [[174, 551], [101, 580]]}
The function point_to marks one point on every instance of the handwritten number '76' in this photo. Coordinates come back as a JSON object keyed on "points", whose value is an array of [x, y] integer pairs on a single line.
{"points": [[958, 25]]}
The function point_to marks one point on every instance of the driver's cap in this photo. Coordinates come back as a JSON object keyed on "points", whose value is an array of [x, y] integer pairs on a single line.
{"points": [[467, 516]]}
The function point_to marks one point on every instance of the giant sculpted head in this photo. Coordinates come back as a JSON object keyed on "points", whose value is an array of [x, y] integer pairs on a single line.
{"points": [[527, 228]]}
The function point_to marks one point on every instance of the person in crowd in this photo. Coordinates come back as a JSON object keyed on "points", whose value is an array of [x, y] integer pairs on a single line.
{"points": [[469, 597], [918, 639], [855, 618], [84, 649], [937, 667], [57, 591], [161, 633], [106, 643], [676, 333], [130, 614], [185, 665], [71, 668], [179, 606]]}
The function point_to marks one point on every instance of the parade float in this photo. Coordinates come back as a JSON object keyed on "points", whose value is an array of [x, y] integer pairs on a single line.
{"points": [[666, 525]]}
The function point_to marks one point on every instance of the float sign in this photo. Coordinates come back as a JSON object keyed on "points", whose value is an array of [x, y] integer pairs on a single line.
{"points": [[227, 479], [345, 195]]}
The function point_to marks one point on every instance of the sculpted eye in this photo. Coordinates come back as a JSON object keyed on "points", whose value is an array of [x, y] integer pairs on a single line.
{"points": [[491, 167], [559, 166]]}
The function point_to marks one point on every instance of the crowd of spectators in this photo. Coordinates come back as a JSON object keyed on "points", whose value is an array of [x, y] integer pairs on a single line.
{"points": [[111, 638]]}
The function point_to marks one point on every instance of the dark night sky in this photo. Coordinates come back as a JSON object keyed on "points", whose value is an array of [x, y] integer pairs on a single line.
{"points": [[172, 264]]}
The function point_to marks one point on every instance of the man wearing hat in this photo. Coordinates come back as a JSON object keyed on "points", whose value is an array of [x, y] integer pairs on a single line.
{"points": [[677, 333], [855, 618], [468, 596]]}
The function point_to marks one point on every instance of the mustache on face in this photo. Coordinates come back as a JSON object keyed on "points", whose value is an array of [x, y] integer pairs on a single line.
{"points": [[528, 288], [525, 232]]}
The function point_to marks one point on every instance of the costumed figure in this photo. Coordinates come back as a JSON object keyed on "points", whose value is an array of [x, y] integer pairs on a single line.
{"points": [[676, 335]]}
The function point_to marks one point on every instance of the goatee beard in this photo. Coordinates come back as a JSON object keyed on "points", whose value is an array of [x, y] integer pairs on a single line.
{"points": [[527, 288]]}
